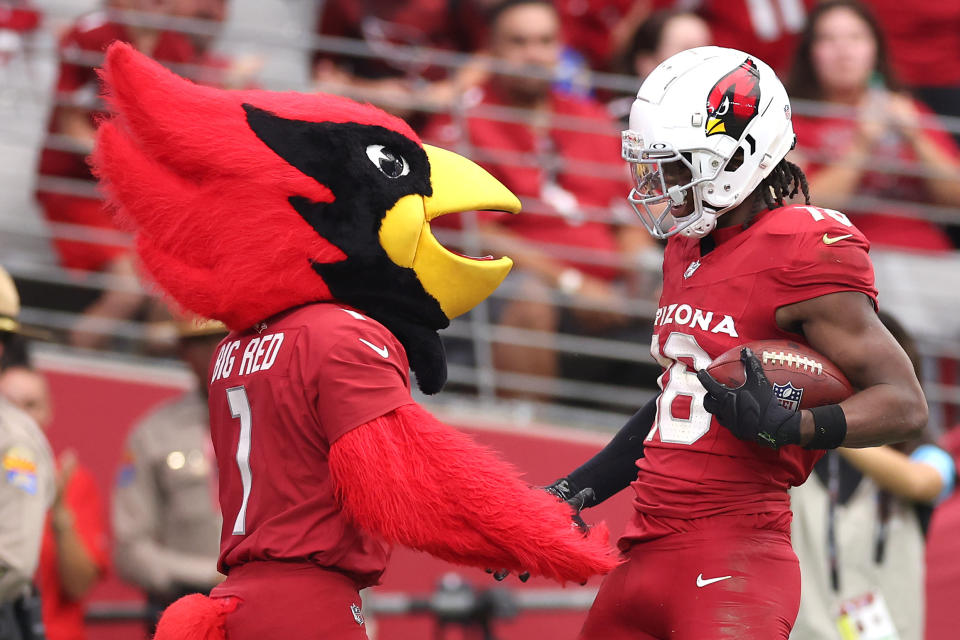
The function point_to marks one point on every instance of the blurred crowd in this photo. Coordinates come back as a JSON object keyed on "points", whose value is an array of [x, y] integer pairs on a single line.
{"points": [[536, 92]]}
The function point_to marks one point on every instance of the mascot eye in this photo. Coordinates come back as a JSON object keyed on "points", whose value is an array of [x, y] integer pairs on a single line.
{"points": [[390, 163], [724, 106]]}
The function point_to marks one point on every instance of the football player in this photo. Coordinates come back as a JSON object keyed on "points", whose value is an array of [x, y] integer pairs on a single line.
{"points": [[708, 549]]}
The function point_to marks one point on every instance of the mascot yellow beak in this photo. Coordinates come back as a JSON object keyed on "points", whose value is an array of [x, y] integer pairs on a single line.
{"points": [[715, 125], [457, 282]]}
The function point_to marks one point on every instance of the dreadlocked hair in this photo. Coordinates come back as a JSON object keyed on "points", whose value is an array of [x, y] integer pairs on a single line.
{"points": [[785, 181]]}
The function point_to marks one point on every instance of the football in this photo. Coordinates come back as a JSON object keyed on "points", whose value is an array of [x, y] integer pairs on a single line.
{"points": [[801, 377]]}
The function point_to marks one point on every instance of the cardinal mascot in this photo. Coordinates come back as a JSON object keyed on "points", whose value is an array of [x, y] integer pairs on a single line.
{"points": [[303, 223]]}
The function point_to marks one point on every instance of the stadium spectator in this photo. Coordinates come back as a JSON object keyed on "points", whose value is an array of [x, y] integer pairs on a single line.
{"points": [[397, 83], [19, 16], [18, 19], [924, 41], [662, 34], [859, 524], [885, 153], [213, 67], [597, 28], [166, 522], [767, 29], [66, 191], [27, 489], [73, 554], [561, 159]]}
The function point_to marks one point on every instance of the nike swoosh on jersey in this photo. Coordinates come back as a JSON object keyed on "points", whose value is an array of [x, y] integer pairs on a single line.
{"points": [[702, 583], [828, 240], [381, 351]]}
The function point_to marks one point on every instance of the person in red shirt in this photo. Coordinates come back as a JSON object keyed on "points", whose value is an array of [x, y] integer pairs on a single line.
{"points": [[19, 16], [767, 29], [924, 42], [397, 84], [73, 553], [888, 152], [597, 29], [66, 190], [664, 33], [557, 156], [708, 549], [660, 35]]}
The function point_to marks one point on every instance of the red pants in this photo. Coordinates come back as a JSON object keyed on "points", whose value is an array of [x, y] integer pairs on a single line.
{"points": [[668, 589], [293, 601]]}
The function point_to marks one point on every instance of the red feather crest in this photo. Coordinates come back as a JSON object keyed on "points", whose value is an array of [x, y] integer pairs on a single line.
{"points": [[206, 198]]}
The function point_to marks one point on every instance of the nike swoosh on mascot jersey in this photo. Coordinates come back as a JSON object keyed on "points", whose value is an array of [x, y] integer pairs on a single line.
{"points": [[381, 351]]}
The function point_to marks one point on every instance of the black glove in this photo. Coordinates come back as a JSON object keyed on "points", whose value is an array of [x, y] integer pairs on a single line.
{"points": [[751, 411], [577, 498], [565, 492]]}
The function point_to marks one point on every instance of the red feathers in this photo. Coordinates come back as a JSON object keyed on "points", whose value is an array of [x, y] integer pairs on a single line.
{"points": [[195, 617], [207, 198], [415, 481]]}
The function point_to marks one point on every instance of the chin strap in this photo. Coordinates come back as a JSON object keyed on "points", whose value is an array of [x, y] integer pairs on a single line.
{"points": [[703, 226]]}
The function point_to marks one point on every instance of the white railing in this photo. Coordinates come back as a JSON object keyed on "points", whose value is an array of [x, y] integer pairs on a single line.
{"points": [[927, 303]]}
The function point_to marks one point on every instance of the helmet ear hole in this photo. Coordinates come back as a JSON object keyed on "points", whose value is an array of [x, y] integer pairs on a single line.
{"points": [[736, 160]]}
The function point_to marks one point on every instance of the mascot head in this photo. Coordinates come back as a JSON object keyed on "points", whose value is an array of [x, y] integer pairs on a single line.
{"points": [[248, 203]]}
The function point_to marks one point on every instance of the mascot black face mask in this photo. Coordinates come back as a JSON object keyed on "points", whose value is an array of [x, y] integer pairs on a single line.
{"points": [[249, 203]]}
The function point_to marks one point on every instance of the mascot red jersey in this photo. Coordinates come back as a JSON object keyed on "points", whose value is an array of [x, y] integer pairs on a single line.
{"points": [[303, 223]]}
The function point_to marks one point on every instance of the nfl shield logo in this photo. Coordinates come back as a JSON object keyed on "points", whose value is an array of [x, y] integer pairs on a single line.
{"points": [[355, 610], [788, 396], [691, 269]]}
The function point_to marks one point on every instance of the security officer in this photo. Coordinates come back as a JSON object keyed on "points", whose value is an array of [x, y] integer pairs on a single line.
{"points": [[165, 513], [27, 488]]}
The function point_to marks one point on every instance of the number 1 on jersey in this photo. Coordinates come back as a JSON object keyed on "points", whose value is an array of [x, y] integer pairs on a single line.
{"points": [[240, 408]]}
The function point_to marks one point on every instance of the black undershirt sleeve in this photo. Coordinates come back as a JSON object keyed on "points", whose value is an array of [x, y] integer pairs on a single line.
{"points": [[614, 467]]}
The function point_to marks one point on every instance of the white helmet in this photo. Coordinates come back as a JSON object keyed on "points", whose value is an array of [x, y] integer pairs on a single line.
{"points": [[707, 126]]}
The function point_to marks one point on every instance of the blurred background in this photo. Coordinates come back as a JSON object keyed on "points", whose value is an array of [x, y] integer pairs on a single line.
{"points": [[537, 93]]}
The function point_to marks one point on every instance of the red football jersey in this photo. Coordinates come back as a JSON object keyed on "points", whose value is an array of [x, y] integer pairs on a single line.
{"points": [[281, 393], [693, 467]]}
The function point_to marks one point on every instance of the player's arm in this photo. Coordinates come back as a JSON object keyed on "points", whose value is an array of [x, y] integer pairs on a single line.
{"points": [[613, 468], [843, 326], [73, 514], [413, 480]]}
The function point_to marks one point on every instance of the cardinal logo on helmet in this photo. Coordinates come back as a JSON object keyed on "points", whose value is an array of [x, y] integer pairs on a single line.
{"points": [[732, 102]]}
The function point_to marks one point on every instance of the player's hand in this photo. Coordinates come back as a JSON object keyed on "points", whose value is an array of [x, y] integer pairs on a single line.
{"points": [[66, 465], [578, 500], [751, 411]]}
